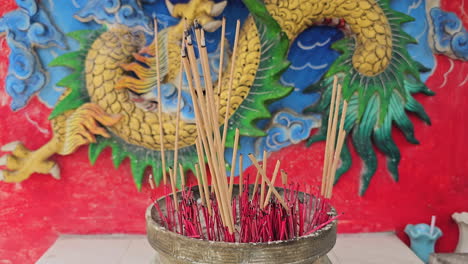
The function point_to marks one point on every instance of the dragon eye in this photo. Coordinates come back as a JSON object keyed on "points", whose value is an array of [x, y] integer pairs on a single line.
{"points": [[127, 36], [152, 106]]}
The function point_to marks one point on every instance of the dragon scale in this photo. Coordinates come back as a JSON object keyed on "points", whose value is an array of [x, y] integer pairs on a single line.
{"points": [[116, 46]]}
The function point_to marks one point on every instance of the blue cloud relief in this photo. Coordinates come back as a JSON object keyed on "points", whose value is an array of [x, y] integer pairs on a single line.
{"points": [[26, 28], [449, 36], [126, 12], [419, 30], [287, 128]]}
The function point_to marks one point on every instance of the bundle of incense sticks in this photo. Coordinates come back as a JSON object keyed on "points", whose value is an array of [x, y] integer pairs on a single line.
{"points": [[334, 142], [257, 214]]}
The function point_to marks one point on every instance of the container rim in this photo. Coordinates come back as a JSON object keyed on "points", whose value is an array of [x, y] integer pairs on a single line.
{"points": [[151, 222]]}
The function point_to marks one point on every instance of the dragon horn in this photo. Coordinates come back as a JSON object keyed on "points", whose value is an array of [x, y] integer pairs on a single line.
{"points": [[212, 26], [217, 8], [170, 7]]}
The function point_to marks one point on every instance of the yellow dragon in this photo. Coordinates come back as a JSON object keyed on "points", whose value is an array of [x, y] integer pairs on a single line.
{"points": [[111, 109]]}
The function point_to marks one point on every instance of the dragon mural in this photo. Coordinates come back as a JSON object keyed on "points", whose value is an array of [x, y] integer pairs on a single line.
{"points": [[104, 60]]}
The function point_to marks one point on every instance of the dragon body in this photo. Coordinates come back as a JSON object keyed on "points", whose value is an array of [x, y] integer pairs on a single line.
{"points": [[111, 111]]}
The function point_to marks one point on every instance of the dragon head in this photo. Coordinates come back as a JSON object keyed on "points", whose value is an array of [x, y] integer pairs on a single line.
{"points": [[204, 11]]}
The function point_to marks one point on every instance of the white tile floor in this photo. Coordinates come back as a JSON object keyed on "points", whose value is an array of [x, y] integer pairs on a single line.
{"points": [[108, 249], [368, 248], [371, 248]]}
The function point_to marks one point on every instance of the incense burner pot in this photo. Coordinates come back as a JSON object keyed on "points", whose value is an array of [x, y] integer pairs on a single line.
{"points": [[423, 240], [462, 220], [178, 249]]}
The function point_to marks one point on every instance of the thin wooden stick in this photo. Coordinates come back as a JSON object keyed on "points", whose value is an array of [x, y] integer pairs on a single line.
{"points": [[218, 146], [221, 58], [241, 175], [262, 186], [173, 185], [333, 140], [336, 158], [179, 97], [199, 93], [217, 152], [327, 142], [151, 181], [214, 116], [337, 153], [273, 180], [182, 176], [203, 174], [207, 110], [265, 178], [233, 163], [231, 80], [211, 108], [200, 128], [201, 184], [284, 181], [212, 113], [204, 116], [214, 161], [161, 129], [331, 136], [284, 177], [257, 178], [220, 75]]}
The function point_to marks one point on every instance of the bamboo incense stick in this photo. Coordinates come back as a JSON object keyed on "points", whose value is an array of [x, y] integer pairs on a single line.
{"points": [[333, 131], [205, 122], [265, 178], [257, 178], [273, 180], [339, 146], [198, 89], [222, 214], [151, 181], [329, 127], [284, 178], [158, 83], [182, 176], [262, 185], [284, 181], [214, 156], [200, 129], [203, 174], [221, 59], [333, 134], [336, 158], [212, 110], [433, 221], [201, 186], [241, 176], [179, 97], [334, 142], [210, 98], [231, 80], [173, 186], [233, 162]]}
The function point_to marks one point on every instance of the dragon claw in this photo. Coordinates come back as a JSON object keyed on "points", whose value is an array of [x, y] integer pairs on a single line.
{"points": [[3, 160], [21, 163], [86, 122], [55, 172], [10, 146]]}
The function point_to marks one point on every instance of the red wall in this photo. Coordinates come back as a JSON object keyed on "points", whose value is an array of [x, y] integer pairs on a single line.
{"points": [[100, 199]]}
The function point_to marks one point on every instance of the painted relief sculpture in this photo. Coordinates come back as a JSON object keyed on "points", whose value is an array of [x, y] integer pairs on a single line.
{"points": [[104, 59]]}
